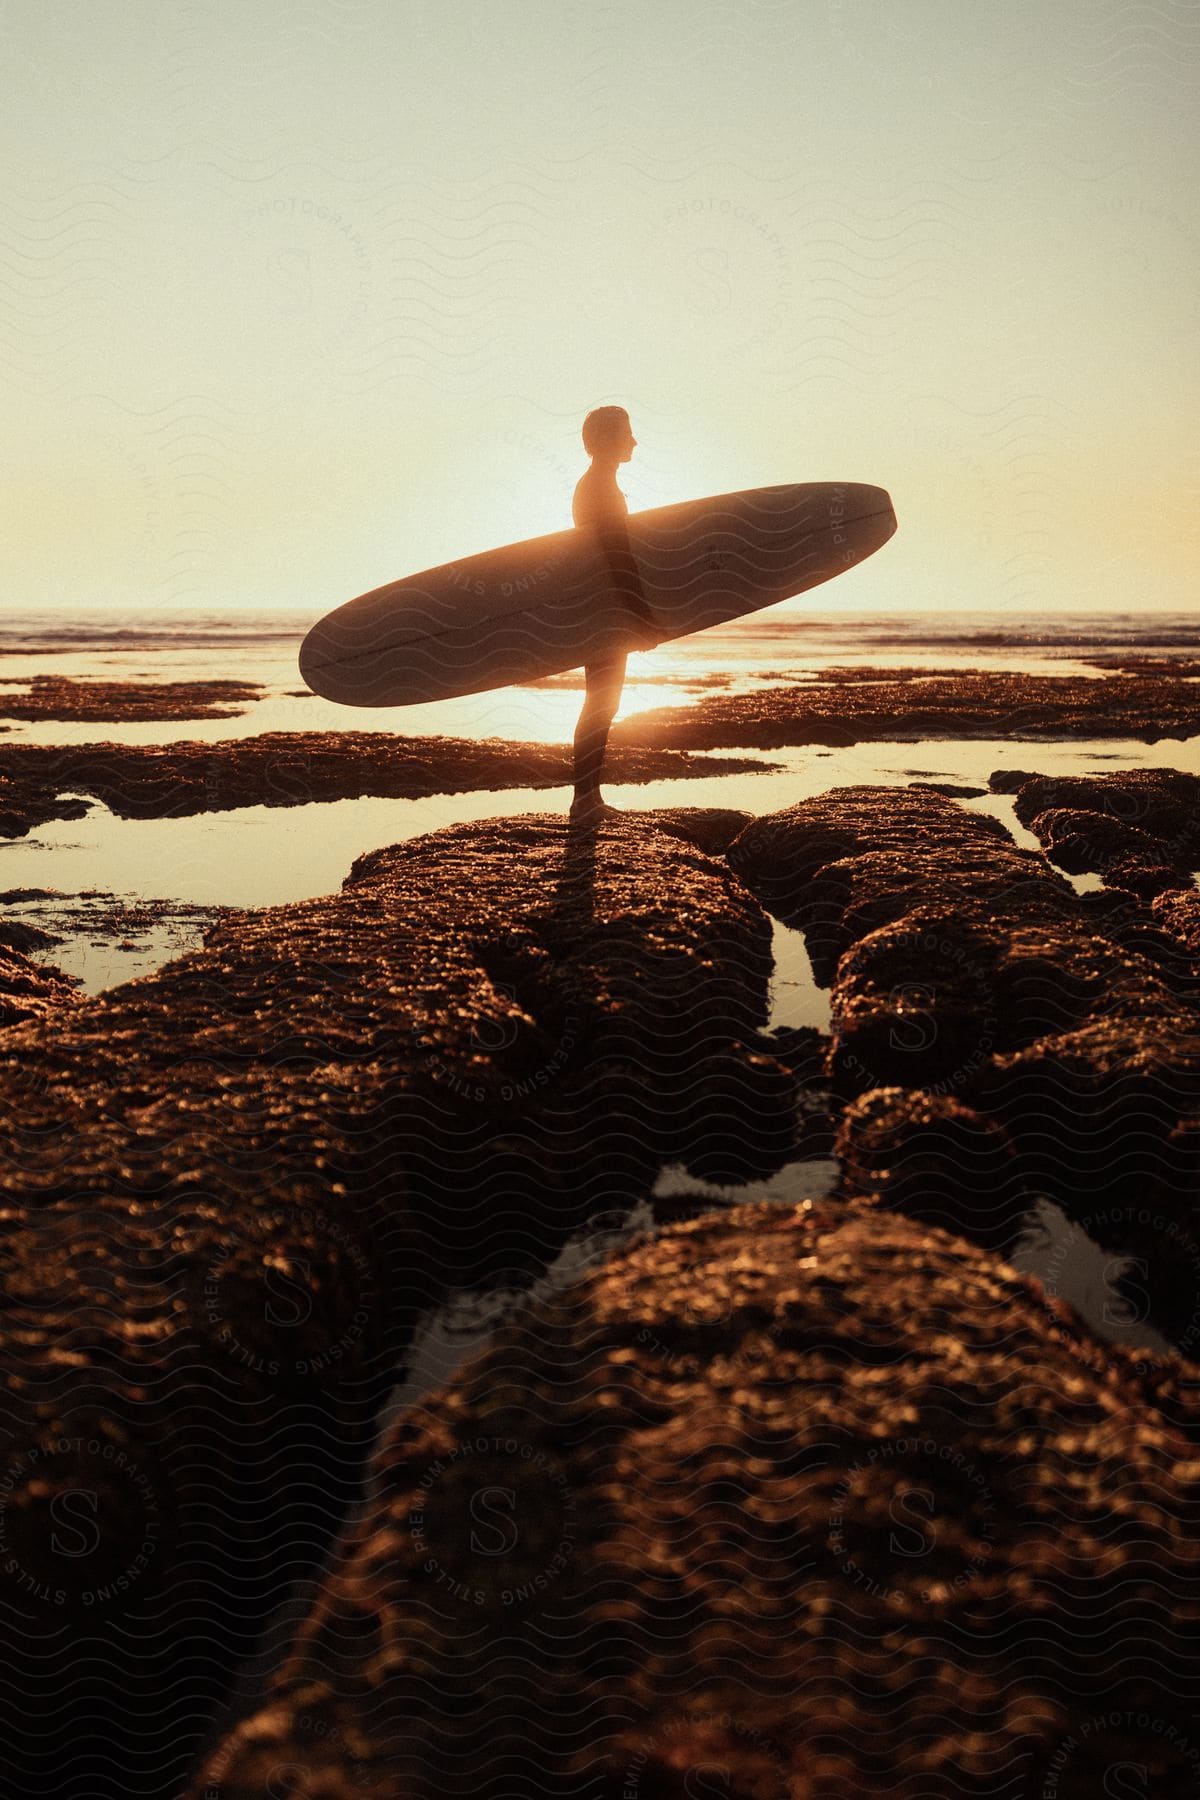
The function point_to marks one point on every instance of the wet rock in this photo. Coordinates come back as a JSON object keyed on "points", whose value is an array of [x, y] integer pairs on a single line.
{"points": [[782, 853], [185, 1382], [937, 703], [228, 1189], [962, 930], [1146, 878], [28, 799], [30, 992], [835, 1500], [119, 702], [935, 1160], [1010, 781], [1081, 841], [1071, 1021], [953, 790], [846, 862], [661, 938], [1160, 804], [1127, 856], [15, 934], [711, 828], [1092, 1111], [1125, 918], [12, 896], [1179, 913], [914, 1003], [928, 999], [292, 768]]}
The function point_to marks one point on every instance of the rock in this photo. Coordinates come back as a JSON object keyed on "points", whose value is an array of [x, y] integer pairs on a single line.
{"points": [[928, 1000], [188, 1384], [12, 896], [1010, 781], [935, 1160], [831, 1500], [785, 850], [937, 703], [292, 768], [1162, 804], [1146, 878], [1092, 1111], [29, 799], [914, 1003], [1072, 1022], [1080, 841], [1179, 913], [953, 790], [711, 828], [28, 991], [118, 702], [278, 1150], [15, 934], [1121, 916], [663, 945], [846, 862], [782, 853]]}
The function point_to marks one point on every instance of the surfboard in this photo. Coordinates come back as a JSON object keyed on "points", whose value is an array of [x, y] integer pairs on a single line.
{"points": [[550, 603]]}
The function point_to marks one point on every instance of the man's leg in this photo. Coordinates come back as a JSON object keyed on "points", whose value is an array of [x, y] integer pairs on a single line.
{"points": [[604, 683]]}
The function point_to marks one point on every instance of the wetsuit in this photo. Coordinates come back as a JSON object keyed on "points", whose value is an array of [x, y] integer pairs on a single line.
{"points": [[600, 505]]}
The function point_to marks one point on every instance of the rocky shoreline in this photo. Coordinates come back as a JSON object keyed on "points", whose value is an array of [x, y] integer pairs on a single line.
{"points": [[293, 768], [59, 698], [277, 1153], [864, 705], [284, 1148], [1137, 698]]}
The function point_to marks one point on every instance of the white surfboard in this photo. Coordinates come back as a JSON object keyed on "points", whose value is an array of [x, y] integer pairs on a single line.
{"points": [[550, 603]]}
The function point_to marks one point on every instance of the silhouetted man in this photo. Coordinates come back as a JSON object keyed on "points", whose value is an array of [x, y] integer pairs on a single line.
{"points": [[599, 505]]}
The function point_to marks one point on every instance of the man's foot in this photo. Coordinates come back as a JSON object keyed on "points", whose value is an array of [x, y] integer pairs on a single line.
{"points": [[589, 805]]}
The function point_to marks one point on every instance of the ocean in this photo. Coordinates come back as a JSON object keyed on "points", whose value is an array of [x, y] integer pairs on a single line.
{"points": [[261, 855]]}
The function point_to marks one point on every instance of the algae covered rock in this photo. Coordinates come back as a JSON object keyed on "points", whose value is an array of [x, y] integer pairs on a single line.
{"points": [[826, 1503], [1151, 814], [935, 1160], [230, 1189], [28, 990]]}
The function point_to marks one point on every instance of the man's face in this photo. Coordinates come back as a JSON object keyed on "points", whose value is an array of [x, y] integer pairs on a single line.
{"points": [[626, 443]]}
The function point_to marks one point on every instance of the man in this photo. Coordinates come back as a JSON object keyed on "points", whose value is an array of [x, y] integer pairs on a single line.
{"points": [[599, 505]]}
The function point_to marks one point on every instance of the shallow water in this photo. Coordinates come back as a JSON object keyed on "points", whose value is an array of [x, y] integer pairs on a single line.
{"points": [[1073, 1267], [266, 856], [796, 1000]]}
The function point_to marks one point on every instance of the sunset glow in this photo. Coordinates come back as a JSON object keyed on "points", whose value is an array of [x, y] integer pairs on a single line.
{"points": [[295, 304]]}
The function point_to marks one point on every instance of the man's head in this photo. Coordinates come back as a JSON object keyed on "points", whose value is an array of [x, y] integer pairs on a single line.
{"points": [[607, 434]]}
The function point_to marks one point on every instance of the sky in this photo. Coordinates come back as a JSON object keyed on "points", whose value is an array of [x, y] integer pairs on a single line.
{"points": [[296, 299]]}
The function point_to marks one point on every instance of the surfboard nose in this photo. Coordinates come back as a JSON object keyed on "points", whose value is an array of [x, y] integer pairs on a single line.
{"points": [[865, 501], [868, 508]]}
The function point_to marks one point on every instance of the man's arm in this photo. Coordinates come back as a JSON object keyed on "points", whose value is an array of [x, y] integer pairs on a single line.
{"points": [[613, 533]]}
